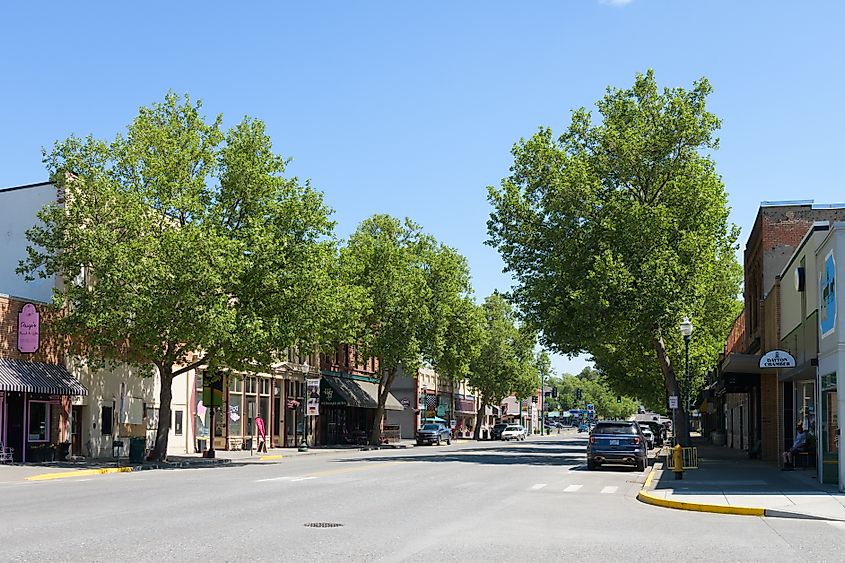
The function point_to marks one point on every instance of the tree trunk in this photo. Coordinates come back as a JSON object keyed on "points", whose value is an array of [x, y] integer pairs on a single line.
{"points": [[679, 421], [165, 372], [383, 392], [479, 416]]}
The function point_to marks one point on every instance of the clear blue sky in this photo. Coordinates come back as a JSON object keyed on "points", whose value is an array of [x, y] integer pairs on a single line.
{"points": [[412, 108]]}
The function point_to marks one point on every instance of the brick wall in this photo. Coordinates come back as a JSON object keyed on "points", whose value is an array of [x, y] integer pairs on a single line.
{"points": [[49, 350]]}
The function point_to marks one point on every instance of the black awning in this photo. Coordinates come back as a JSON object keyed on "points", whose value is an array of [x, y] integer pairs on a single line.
{"points": [[38, 377], [355, 393]]}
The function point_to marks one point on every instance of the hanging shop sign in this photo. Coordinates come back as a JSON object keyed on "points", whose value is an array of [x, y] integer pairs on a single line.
{"points": [[777, 359], [312, 405], [29, 326]]}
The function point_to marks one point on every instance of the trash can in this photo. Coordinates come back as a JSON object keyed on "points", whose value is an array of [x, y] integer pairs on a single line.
{"points": [[136, 450]]}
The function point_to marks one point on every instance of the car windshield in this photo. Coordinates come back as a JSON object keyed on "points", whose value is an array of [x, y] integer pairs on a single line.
{"points": [[615, 429], [430, 427], [512, 428]]}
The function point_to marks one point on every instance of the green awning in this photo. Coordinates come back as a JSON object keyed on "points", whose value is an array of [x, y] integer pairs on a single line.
{"points": [[337, 391]]}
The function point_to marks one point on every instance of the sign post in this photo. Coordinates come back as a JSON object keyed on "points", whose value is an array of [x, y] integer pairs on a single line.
{"points": [[673, 404]]}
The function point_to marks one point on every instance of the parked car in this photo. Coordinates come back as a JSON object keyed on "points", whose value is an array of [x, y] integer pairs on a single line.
{"points": [[647, 433], [617, 442], [657, 430], [583, 427], [496, 432], [433, 433], [514, 432]]}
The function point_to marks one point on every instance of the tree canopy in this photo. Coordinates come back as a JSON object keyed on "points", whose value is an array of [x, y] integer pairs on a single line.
{"points": [[178, 239], [412, 295], [617, 229]]}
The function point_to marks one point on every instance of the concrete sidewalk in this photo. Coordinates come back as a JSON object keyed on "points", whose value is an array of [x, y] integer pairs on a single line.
{"points": [[727, 481]]}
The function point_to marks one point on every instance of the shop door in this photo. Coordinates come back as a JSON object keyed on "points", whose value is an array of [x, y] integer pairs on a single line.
{"points": [[14, 431], [76, 431], [830, 437]]}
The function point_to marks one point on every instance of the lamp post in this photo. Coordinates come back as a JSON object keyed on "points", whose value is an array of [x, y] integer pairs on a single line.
{"points": [[303, 446], [686, 332]]}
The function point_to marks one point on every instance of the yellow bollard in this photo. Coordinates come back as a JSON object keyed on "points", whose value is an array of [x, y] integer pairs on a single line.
{"points": [[678, 459]]}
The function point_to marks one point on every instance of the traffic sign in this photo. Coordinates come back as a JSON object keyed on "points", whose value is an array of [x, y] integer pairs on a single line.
{"points": [[673, 401]]}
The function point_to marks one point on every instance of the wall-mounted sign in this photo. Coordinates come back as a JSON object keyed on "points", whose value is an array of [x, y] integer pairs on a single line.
{"points": [[827, 296], [29, 326], [777, 359]]}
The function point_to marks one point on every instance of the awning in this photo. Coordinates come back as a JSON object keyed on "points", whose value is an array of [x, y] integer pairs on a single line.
{"points": [[357, 393], [38, 377]]}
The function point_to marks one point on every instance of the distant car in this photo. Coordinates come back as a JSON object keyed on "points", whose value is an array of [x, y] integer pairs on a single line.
{"points": [[658, 430], [514, 432], [496, 432], [433, 434], [617, 442], [583, 427], [647, 433]]}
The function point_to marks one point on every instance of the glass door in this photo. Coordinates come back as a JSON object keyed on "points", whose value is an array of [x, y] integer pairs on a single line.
{"points": [[830, 436]]}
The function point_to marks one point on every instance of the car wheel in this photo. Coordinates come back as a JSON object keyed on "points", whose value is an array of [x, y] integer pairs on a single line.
{"points": [[640, 464], [438, 440], [448, 441], [591, 465]]}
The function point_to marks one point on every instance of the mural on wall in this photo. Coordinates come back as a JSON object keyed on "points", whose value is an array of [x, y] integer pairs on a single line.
{"points": [[827, 296]]}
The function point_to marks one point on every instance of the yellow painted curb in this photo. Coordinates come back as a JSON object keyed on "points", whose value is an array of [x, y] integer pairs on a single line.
{"points": [[699, 507], [80, 473], [269, 457]]}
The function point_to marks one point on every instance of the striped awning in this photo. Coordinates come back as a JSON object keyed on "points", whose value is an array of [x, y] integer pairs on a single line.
{"points": [[38, 377]]}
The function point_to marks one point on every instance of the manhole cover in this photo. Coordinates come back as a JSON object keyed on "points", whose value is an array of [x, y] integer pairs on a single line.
{"points": [[323, 525]]}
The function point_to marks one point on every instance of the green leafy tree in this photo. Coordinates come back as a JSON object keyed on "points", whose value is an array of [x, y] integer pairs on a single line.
{"points": [[182, 245], [412, 294], [506, 363], [619, 228]]}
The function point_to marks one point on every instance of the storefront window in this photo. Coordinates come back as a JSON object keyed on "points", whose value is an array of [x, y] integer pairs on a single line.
{"points": [[236, 384], [235, 415], [807, 405], [38, 418]]}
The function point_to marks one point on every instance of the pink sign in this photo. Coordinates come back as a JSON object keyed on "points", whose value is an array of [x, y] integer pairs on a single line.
{"points": [[29, 326]]}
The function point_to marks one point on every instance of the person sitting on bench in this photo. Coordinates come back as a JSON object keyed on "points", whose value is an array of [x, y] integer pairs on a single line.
{"points": [[798, 445]]}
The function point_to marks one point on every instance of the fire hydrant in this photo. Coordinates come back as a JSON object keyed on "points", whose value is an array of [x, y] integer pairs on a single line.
{"points": [[678, 462]]}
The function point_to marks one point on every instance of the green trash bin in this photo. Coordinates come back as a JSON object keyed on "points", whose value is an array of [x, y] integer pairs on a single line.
{"points": [[136, 450]]}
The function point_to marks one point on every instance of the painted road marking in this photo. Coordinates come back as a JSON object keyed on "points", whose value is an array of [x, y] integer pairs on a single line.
{"points": [[572, 488], [301, 479], [609, 490], [538, 486]]}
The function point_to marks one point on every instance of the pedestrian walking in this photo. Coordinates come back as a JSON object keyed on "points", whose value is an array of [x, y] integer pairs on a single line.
{"points": [[262, 434]]}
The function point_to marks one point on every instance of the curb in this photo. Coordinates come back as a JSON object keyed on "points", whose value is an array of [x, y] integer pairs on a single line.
{"points": [[653, 500], [80, 473]]}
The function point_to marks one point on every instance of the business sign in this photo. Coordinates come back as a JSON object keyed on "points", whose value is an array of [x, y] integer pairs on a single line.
{"points": [[673, 401], [777, 359], [827, 296], [406, 403], [29, 326], [312, 404]]}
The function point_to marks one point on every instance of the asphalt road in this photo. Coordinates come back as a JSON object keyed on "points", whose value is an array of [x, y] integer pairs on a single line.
{"points": [[512, 502]]}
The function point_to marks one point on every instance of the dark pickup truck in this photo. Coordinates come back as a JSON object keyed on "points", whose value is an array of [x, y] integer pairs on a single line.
{"points": [[433, 434]]}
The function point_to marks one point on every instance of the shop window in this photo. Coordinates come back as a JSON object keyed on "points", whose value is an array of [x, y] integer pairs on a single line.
{"points": [[235, 384], [177, 422], [265, 386], [39, 416], [250, 385], [235, 416], [107, 420]]}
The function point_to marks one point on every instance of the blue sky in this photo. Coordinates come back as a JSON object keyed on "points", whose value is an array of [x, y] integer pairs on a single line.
{"points": [[412, 108]]}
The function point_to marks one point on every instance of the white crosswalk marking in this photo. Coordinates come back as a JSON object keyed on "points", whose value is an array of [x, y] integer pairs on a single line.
{"points": [[301, 479], [538, 486], [609, 490], [572, 488]]}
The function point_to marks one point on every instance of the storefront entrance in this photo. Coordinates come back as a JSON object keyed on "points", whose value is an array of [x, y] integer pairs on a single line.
{"points": [[829, 431]]}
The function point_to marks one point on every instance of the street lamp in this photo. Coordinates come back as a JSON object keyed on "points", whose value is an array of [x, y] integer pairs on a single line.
{"points": [[686, 332], [303, 446]]}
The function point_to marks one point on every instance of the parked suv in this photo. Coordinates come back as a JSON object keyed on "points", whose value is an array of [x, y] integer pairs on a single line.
{"points": [[617, 442], [433, 433], [496, 432]]}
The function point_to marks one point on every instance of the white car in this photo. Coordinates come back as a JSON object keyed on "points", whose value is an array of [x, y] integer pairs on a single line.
{"points": [[514, 432], [649, 435]]}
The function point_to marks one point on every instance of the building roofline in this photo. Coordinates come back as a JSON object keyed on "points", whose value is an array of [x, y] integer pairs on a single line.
{"points": [[786, 203], [24, 187], [816, 226]]}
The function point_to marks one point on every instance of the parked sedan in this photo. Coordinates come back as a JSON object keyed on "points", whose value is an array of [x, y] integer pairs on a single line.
{"points": [[583, 427], [496, 432], [514, 432], [617, 442], [649, 436], [433, 434]]}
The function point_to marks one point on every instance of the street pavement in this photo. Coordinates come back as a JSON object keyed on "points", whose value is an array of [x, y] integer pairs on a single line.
{"points": [[516, 501]]}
